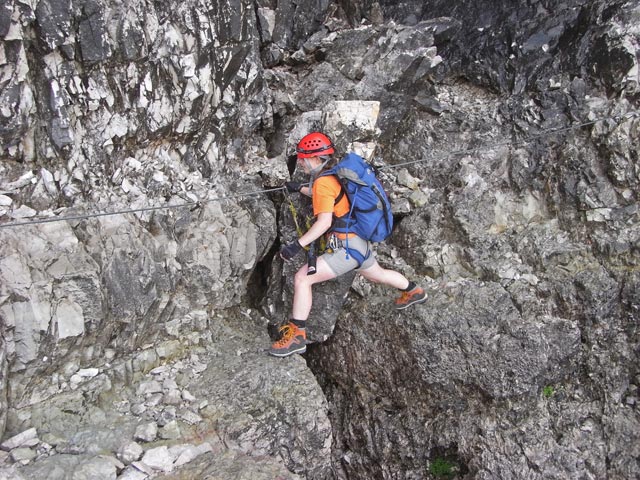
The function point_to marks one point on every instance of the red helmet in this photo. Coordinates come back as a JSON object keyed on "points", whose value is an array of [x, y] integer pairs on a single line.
{"points": [[314, 145]]}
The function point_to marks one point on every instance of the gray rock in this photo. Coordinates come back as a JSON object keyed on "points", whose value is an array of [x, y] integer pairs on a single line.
{"points": [[149, 388], [172, 397], [191, 452], [146, 432], [138, 409], [21, 439], [187, 397], [10, 473], [93, 34], [406, 179], [242, 466], [158, 458], [167, 415], [130, 452], [54, 20], [141, 467], [22, 455], [520, 364], [170, 431], [266, 23], [97, 468], [132, 473], [190, 417], [169, 384]]}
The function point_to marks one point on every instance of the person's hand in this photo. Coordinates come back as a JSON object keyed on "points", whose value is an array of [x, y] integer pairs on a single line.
{"points": [[291, 250], [293, 187]]}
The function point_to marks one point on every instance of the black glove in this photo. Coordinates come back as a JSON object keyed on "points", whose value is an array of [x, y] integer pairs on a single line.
{"points": [[293, 187], [289, 251]]}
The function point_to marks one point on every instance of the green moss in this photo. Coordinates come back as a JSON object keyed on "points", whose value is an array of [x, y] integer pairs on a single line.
{"points": [[441, 468], [548, 391]]}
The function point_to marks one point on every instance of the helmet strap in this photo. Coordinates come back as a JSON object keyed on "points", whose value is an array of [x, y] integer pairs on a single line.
{"points": [[315, 171], [308, 165]]}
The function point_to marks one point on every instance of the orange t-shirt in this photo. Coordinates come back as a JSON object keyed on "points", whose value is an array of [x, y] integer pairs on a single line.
{"points": [[324, 193]]}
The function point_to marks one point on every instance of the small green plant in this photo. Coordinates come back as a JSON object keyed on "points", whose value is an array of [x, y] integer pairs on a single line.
{"points": [[548, 391], [441, 468]]}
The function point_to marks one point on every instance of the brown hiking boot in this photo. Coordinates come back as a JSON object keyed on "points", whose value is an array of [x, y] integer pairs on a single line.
{"points": [[411, 297], [293, 340]]}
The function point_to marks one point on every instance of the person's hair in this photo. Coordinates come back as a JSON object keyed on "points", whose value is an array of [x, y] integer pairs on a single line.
{"points": [[330, 159]]}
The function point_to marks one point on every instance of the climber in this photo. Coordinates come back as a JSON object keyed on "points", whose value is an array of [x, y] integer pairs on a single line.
{"points": [[314, 155]]}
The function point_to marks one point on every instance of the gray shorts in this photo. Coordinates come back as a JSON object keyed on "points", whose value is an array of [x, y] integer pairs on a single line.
{"points": [[342, 263]]}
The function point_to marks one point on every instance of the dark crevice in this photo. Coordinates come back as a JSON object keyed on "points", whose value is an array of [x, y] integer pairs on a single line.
{"points": [[259, 279], [258, 283]]}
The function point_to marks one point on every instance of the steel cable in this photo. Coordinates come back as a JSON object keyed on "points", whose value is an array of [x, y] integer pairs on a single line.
{"points": [[545, 133]]}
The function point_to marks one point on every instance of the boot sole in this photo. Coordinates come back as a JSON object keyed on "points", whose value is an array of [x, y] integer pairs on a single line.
{"points": [[402, 307], [291, 352]]}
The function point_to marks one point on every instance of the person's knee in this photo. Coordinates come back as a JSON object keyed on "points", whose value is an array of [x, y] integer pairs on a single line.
{"points": [[301, 279], [373, 276]]}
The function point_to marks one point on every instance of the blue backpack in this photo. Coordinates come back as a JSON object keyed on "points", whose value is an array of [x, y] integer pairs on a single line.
{"points": [[370, 215]]}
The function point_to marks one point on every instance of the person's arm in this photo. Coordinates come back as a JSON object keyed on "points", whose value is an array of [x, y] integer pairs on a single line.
{"points": [[297, 187], [319, 227], [305, 191], [323, 201]]}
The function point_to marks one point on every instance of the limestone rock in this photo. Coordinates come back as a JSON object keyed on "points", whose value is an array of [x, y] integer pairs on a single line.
{"points": [[146, 432], [24, 438], [145, 146], [130, 452]]}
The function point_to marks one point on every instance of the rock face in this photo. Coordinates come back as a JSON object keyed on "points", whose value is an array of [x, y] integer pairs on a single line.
{"points": [[525, 353], [132, 345]]}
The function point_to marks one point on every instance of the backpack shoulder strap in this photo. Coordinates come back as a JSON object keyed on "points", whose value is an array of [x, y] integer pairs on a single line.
{"points": [[340, 195]]}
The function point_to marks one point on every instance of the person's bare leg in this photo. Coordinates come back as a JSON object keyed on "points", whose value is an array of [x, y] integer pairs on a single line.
{"points": [[410, 292], [293, 335], [303, 283], [375, 273]]}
